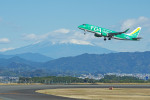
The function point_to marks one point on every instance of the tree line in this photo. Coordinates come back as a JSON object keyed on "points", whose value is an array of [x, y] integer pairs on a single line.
{"points": [[55, 79], [69, 79], [121, 79]]}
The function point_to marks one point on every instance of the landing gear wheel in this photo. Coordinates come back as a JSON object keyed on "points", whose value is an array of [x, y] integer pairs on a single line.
{"points": [[84, 32], [109, 38], [104, 39]]}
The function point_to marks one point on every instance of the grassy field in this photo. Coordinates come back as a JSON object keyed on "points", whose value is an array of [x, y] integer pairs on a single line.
{"points": [[101, 93]]}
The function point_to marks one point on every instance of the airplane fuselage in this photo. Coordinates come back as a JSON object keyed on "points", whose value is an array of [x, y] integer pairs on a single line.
{"points": [[103, 32]]}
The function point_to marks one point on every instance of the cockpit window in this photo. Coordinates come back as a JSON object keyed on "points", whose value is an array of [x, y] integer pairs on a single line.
{"points": [[84, 24]]}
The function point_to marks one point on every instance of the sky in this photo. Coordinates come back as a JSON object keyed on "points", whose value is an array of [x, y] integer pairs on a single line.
{"points": [[25, 22]]}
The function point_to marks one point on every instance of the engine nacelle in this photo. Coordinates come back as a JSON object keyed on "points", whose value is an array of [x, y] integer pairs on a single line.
{"points": [[97, 35]]}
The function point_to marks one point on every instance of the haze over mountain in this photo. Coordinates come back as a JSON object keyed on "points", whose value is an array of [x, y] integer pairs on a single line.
{"points": [[59, 49], [36, 57]]}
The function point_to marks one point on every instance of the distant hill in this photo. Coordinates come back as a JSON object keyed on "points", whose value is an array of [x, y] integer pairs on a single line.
{"points": [[125, 62], [138, 62], [59, 50], [36, 57], [16, 66]]}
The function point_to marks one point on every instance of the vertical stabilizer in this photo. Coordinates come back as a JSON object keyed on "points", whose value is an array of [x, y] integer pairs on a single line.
{"points": [[135, 33]]}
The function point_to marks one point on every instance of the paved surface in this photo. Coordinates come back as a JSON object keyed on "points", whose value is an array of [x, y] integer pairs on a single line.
{"points": [[27, 92]]}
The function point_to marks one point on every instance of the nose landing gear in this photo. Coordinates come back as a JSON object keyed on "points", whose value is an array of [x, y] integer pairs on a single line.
{"points": [[84, 32]]}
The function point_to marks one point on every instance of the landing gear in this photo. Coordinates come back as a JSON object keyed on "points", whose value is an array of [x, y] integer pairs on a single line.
{"points": [[109, 38], [84, 32]]}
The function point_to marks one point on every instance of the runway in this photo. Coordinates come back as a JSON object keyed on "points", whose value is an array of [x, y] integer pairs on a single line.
{"points": [[27, 92]]}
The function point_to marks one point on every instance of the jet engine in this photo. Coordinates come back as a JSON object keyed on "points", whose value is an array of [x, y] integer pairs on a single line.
{"points": [[97, 35]]}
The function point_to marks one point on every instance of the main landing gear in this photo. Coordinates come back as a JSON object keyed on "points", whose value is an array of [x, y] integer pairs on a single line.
{"points": [[106, 39], [84, 32]]}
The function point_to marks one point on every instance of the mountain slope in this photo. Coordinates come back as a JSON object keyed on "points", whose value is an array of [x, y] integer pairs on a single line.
{"points": [[4, 63], [59, 50], [36, 57], [138, 62], [17, 66]]}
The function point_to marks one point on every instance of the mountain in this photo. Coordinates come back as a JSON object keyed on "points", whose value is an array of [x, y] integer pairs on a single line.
{"points": [[17, 66], [125, 62], [36, 57], [59, 50], [4, 63]]}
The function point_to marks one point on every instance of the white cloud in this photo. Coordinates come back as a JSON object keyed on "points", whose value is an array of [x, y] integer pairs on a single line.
{"points": [[135, 22], [6, 49], [65, 31], [74, 41], [34, 37], [4, 40], [54, 34], [80, 42], [30, 37], [68, 36]]}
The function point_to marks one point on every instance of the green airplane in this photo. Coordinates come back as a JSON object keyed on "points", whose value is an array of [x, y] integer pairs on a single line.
{"points": [[106, 33]]}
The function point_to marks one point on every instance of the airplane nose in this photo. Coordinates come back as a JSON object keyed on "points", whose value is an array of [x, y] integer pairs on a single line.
{"points": [[82, 26], [79, 26]]}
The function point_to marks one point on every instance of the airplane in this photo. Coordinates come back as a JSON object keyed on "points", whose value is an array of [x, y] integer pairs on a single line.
{"points": [[106, 33]]}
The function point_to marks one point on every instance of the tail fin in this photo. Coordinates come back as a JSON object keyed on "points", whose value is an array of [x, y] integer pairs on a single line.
{"points": [[135, 33]]}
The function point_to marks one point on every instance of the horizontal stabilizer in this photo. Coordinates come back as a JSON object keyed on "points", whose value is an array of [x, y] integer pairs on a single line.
{"points": [[126, 30], [117, 33], [138, 38]]}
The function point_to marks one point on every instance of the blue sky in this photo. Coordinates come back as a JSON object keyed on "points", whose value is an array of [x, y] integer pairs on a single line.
{"points": [[24, 22]]}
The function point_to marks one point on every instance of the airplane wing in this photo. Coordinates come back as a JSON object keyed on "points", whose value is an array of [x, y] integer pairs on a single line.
{"points": [[117, 33]]}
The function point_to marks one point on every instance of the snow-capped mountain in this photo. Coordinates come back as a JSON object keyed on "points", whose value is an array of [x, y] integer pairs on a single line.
{"points": [[59, 49]]}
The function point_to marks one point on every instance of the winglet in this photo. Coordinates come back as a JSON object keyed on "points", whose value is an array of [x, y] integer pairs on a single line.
{"points": [[126, 30]]}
